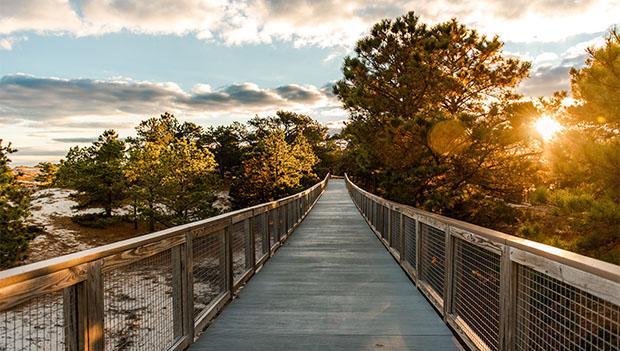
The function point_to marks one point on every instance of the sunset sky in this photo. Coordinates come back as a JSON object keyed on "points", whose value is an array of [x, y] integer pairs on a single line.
{"points": [[70, 69]]}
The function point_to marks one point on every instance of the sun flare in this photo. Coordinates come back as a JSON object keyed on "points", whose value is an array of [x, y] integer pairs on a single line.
{"points": [[547, 127]]}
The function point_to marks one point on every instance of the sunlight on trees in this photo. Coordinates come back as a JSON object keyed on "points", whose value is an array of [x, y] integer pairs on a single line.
{"points": [[547, 127]]}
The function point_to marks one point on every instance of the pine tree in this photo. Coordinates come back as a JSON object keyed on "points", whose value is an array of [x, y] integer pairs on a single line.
{"points": [[430, 116], [14, 202], [47, 173], [274, 169], [172, 175], [96, 172]]}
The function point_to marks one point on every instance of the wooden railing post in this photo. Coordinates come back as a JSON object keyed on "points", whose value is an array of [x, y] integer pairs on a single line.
{"points": [[418, 249], [75, 318], [265, 233], [388, 227], [508, 299], [449, 276], [182, 290], [402, 237], [83, 312], [228, 259]]}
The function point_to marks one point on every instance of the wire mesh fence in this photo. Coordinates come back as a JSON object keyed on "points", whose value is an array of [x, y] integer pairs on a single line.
{"points": [[261, 240], [209, 270], [273, 228], [239, 244], [552, 315], [139, 306], [432, 257], [493, 301], [395, 234], [385, 227], [477, 291], [410, 241], [37, 324], [147, 293]]}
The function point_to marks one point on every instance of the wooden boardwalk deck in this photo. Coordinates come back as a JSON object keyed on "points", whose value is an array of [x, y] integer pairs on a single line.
{"points": [[332, 286]]}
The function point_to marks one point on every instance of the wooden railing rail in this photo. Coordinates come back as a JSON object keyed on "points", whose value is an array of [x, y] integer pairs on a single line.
{"points": [[155, 291], [498, 291]]}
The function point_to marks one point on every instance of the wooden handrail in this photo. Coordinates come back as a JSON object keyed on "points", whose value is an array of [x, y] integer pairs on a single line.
{"points": [[601, 268]]}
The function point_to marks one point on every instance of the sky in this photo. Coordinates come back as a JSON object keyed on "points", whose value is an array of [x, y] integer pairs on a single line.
{"points": [[70, 69]]}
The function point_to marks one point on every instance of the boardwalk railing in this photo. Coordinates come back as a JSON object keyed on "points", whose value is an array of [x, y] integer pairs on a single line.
{"points": [[500, 292], [153, 292]]}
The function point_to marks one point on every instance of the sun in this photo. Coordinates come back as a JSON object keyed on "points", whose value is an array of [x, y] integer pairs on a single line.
{"points": [[547, 127]]}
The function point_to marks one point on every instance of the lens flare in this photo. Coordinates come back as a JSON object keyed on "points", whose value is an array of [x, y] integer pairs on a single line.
{"points": [[547, 127]]}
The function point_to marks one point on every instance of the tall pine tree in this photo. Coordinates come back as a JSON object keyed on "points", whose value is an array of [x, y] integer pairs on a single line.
{"points": [[14, 202]]}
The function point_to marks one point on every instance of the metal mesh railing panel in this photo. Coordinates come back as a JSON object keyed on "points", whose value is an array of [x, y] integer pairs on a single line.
{"points": [[138, 305], [552, 315], [283, 214], [209, 270], [37, 324], [410, 241], [395, 230], [476, 290], [273, 227], [386, 222], [379, 219], [432, 259], [239, 242], [258, 230]]}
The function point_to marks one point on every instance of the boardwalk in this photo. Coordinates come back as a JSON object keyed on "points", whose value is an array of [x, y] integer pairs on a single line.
{"points": [[332, 286]]}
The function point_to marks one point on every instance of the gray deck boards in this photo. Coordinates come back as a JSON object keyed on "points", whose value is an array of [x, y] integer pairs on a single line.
{"points": [[332, 286]]}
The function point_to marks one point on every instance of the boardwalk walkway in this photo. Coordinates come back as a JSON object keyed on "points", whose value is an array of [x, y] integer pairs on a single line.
{"points": [[332, 286]]}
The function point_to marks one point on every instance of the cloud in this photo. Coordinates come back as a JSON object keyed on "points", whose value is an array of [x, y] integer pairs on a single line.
{"points": [[56, 101], [46, 16], [550, 70], [39, 151], [8, 42], [75, 140], [546, 80], [322, 23]]}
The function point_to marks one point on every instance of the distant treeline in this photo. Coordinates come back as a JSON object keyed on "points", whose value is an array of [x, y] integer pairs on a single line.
{"points": [[171, 172]]}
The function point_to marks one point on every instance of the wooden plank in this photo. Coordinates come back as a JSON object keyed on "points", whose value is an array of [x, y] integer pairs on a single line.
{"points": [[593, 284], [94, 296], [449, 263], [508, 301], [139, 253], [15, 294], [477, 240], [75, 318], [333, 282], [188, 284], [178, 272]]}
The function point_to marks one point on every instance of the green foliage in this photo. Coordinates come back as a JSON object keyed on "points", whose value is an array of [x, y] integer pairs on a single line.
{"points": [[228, 144], [96, 172], [539, 196], [172, 177], [47, 173], [95, 220], [14, 201], [294, 125], [597, 84], [273, 169], [581, 187], [434, 118]]}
